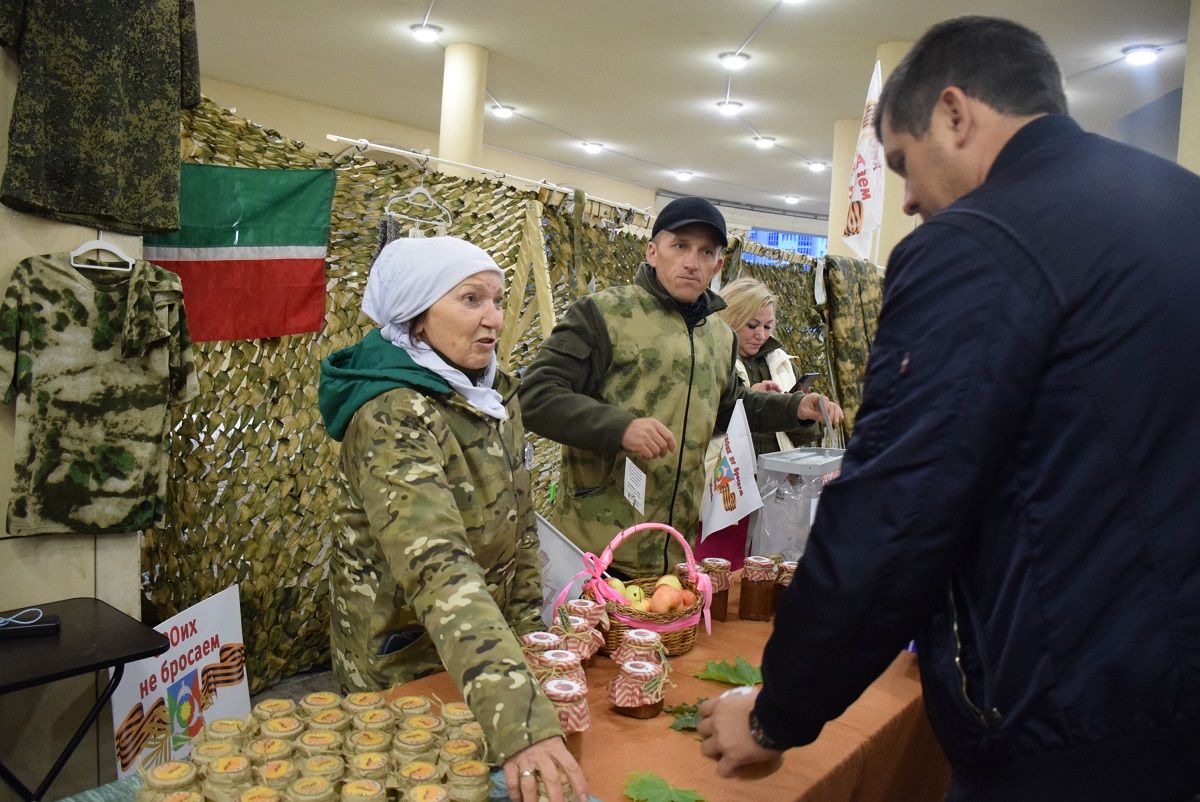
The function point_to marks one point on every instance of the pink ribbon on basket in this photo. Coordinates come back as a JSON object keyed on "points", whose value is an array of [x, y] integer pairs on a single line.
{"points": [[593, 568]]}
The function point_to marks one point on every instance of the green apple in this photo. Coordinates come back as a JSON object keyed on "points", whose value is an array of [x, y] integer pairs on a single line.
{"points": [[669, 579], [616, 584], [634, 594]]}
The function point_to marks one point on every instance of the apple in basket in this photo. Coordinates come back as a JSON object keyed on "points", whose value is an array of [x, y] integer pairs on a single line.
{"points": [[665, 599], [635, 595]]}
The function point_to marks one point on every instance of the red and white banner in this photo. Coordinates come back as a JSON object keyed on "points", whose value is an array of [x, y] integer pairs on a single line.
{"points": [[730, 494], [865, 214]]}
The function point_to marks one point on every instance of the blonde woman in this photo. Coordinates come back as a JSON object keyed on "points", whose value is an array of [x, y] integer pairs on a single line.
{"points": [[763, 366]]}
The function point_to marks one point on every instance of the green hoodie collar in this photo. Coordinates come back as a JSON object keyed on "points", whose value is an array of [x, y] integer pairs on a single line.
{"points": [[705, 305], [353, 376]]}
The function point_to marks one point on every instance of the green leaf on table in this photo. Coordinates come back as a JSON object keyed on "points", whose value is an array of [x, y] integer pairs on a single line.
{"points": [[687, 717], [643, 786], [740, 673]]}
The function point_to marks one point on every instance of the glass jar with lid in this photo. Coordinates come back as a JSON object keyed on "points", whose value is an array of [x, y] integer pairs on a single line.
{"points": [[637, 691], [718, 570], [758, 589]]}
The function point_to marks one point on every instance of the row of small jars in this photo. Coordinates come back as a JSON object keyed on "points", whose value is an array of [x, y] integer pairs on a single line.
{"points": [[318, 779]]}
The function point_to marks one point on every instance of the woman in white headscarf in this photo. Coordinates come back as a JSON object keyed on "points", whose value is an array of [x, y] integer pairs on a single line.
{"points": [[435, 562]]}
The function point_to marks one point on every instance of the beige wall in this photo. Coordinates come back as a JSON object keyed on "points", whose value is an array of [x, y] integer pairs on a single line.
{"points": [[43, 569], [1189, 119], [310, 122]]}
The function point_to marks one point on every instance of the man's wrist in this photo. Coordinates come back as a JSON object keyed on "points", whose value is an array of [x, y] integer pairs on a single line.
{"points": [[759, 734]]}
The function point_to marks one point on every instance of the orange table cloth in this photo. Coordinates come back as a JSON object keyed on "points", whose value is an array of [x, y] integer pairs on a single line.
{"points": [[881, 748]]}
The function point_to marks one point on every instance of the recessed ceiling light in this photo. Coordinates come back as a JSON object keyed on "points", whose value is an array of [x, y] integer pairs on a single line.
{"points": [[729, 107], [425, 32], [1139, 55], [817, 167], [592, 147], [793, 2], [503, 112], [733, 61], [764, 142], [684, 175], [790, 200]]}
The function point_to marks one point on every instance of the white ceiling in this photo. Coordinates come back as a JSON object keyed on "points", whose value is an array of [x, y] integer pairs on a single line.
{"points": [[641, 76]]}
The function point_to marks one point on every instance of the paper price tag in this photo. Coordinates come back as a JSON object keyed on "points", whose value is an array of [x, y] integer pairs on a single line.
{"points": [[635, 486]]}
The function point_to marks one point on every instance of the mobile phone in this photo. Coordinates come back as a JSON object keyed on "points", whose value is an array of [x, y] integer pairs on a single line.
{"points": [[46, 625], [803, 384]]}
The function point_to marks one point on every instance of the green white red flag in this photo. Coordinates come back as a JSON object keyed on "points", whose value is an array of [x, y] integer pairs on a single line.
{"points": [[250, 250]]}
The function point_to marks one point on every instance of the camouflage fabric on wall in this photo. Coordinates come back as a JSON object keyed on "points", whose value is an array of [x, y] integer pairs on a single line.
{"points": [[855, 291], [94, 137], [93, 358]]}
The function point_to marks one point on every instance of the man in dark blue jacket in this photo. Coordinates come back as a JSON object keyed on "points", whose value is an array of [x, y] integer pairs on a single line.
{"points": [[1022, 491]]}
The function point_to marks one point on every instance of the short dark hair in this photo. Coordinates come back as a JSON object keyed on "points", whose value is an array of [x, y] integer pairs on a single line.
{"points": [[996, 61]]}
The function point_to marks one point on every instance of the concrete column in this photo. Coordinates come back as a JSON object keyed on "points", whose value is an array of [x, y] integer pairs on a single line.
{"points": [[845, 142], [896, 225], [1189, 117], [464, 85]]}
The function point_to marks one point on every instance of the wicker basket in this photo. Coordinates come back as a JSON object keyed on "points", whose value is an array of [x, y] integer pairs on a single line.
{"points": [[677, 628], [676, 642]]}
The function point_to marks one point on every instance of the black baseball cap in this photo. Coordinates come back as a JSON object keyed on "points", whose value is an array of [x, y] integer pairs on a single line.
{"points": [[685, 211]]}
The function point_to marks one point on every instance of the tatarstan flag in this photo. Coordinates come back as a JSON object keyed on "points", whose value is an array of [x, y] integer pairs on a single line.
{"points": [[250, 250]]}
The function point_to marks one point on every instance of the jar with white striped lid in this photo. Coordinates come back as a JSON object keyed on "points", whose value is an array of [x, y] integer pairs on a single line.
{"points": [[637, 691], [718, 570], [561, 664], [570, 702], [640, 644]]}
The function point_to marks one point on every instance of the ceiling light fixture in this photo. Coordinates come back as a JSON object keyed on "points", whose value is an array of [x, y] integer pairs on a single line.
{"points": [[764, 142], [684, 175], [425, 32], [790, 200], [501, 111], [729, 108], [817, 167], [792, 2], [734, 60], [592, 147], [1140, 55]]}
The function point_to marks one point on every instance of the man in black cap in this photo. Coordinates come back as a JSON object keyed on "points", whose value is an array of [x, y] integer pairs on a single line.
{"points": [[640, 373]]}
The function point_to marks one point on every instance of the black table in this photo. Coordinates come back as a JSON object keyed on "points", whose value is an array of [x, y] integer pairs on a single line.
{"points": [[92, 636]]}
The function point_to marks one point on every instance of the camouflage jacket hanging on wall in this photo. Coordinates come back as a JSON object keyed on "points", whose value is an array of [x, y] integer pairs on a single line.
{"points": [[437, 556], [625, 353], [94, 138], [92, 359]]}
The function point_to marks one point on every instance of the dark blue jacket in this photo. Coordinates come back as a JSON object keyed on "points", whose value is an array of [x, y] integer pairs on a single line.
{"points": [[1022, 491]]}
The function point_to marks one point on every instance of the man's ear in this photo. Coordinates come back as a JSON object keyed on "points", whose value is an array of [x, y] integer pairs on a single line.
{"points": [[651, 253], [957, 113]]}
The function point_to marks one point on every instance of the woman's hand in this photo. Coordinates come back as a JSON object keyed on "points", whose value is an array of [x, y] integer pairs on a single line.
{"points": [[543, 759], [810, 409], [766, 387]]}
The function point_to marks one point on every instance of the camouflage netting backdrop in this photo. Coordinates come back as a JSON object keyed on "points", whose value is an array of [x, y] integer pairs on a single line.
{"points": [[253, 475]]}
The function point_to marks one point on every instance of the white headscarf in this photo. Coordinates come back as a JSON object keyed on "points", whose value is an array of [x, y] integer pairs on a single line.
{"points": [[408, 277]]}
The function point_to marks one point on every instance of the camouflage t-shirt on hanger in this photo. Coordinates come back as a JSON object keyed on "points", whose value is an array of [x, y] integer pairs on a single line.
{"points": [[94, 138], [92, 358]]}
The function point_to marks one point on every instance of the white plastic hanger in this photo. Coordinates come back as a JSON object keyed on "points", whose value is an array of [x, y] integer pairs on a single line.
{"points": [[419, 197], [103, 246]]}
